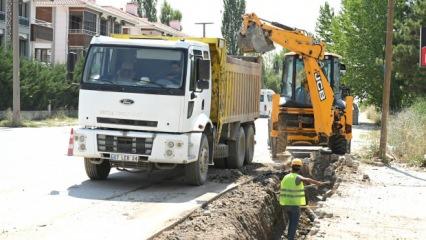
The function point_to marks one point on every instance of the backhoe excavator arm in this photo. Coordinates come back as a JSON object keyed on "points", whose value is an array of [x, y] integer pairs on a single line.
{"points": [[258, 35]]}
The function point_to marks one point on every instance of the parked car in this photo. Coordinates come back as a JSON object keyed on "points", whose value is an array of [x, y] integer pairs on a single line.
{"points": [[266, 102]]}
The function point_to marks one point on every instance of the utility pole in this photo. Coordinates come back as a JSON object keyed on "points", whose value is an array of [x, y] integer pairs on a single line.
{"points": [[204, 26], [15, 48], [387, 82]]}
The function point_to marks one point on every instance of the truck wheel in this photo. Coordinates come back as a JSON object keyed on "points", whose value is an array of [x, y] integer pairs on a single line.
{"points": [[97, 171], [237, 150], [249, 132], [196, 172], [337, 144]]}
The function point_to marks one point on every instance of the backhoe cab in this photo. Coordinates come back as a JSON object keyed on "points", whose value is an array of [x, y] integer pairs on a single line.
{"points": [[311, 109]]}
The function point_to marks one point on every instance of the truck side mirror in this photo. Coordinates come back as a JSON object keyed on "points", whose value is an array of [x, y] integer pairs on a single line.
{"points": [[203, 74], [342, 69]]}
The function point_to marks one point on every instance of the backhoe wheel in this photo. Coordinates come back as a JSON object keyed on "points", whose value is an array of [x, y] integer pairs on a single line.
{"points": [[337, 144], [249, 132], [237, 150], [97, 171], [196, 172]]}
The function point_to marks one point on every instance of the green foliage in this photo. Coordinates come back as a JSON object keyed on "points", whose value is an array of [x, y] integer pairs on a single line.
{"points": [[232, 22], [147, 9], [169, 14], [324, 24], [358, 33], [272, 70], [40, 84]]}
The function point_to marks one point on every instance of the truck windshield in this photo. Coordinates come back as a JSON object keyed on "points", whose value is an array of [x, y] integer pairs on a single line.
{"points": [[134, 67]]}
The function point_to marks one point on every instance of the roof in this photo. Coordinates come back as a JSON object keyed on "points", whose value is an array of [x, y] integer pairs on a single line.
{"points": [[112, 11], [146, 42]]}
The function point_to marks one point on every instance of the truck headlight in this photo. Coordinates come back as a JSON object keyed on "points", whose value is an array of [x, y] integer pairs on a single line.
{"points": [[82, 147], [169, 153], [170, 144]]}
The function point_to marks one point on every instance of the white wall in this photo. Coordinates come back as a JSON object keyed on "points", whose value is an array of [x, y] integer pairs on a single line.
{"points": [[60, 35]]}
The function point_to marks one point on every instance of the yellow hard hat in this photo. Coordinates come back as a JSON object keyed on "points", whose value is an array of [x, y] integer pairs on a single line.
{"points": [[296, 162]]}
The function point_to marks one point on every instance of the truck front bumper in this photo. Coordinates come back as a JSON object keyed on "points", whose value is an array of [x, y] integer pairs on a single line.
{"points": [[147, 146]]}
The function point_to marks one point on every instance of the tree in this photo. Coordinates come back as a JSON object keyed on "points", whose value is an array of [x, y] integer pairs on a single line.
{"points": [[272, 70], [147, 8], [232, 22], [358, 34], [410, 78], [324, 24], [169, 14]]}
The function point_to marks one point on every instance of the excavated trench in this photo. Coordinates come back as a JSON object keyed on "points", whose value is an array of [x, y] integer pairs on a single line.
{"points": [[251, 210]]}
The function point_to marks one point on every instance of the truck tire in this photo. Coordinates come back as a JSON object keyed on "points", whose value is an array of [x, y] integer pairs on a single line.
{"points": [[237, 150], [97, 171], [337, 144], [196, 172], [249, 132]]}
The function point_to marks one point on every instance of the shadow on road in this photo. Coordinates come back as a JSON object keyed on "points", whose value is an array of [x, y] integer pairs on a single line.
{"points": [[163, 186], [406, 173], [366, 126]]}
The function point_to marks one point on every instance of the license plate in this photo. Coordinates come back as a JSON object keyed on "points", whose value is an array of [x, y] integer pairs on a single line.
{"points": [[124, 157]]}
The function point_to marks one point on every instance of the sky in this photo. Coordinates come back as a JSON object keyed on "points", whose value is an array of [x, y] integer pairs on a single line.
{"points": [[301, 14]]}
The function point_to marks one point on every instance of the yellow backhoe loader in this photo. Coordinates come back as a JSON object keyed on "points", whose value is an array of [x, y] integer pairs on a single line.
{"points": [[313, 107]]}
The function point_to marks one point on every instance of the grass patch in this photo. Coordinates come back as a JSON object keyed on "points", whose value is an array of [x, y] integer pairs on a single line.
{"points": [[407, 134], [373, 114], [371, 151], [57, 120]]}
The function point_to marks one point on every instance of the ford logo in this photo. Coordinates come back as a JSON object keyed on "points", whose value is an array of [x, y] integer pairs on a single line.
{"points": [[127, 101]]}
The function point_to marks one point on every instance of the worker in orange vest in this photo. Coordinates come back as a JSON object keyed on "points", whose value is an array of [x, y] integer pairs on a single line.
{"points": [[292, 195]]}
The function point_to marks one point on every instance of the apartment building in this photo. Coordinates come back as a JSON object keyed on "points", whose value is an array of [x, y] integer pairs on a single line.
{"points": [[63, 26], [24, 26]]}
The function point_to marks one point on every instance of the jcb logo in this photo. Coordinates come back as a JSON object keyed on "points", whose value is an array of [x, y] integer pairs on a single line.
{"points": [[320, 86]]}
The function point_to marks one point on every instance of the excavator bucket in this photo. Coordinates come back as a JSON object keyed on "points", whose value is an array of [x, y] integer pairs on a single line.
{"points": [[254, 40]]}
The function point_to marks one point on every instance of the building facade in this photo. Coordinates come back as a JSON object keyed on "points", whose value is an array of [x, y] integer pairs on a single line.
{"points": [[62, 26], [24, 26]]}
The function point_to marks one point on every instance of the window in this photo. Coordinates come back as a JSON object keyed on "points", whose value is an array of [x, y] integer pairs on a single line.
{"points": [[89, 21], [288, 76], [42, 55], [117, 28], [104, 27], [269, 98], [23, 48], [262, 98], [76, 20], [135, 69], [23, 9], [2, 7]]}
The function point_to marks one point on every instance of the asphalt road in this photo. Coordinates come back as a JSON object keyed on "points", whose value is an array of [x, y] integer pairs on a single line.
{"points": [[45, 194]]}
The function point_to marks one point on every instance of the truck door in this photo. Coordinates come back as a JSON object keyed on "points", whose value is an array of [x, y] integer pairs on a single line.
{"points": [[198, 100]]}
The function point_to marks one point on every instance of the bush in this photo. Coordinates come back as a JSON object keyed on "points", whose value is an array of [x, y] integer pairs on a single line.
{"points": [[407, 133], [40, 84]]}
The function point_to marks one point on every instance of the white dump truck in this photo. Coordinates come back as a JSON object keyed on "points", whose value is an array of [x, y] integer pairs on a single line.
{"points": [[159, 102]]}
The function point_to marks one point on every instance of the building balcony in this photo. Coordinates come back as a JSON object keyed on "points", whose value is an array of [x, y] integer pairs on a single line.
{"points": [[41, 32], [80, 37], [24, 21]]}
